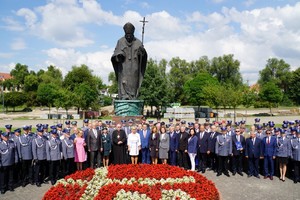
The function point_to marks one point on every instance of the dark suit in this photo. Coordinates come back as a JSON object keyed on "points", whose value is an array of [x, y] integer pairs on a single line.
{"points": [[269, 150], [237, 164], [203, 138], [254, 152], [94, 147], [212, 157], [182, 147], [174, 142]]}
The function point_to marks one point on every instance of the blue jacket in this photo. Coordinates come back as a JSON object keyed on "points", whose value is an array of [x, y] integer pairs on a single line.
{"points": [[283, 148], [25, 147], [145, 140], [174, 141], [192, 144], [253, 151], [8, 153], [39, 148], [67, 145], [53, 149], [269, 149], [295, 144], [223, 145], [203, 142]]}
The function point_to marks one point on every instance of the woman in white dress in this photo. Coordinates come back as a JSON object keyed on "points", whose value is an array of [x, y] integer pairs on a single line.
{"points": [[134, 145]]}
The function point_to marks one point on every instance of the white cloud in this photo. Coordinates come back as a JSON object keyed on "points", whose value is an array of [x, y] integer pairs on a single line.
{"points": [[64, 59], [218, 1], [5, 55], [11, 24], [29, 16], [18, 44]]}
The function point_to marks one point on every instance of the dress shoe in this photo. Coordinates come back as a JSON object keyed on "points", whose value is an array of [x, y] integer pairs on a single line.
{"points": [[38, 184], [265, 177], [283, 180], [227, 175], [257, 176], [24, 184], [249, 175], [295, 181], [11, 189], [203, 171], [240, 173], [233, 174], [2, 191], [52, 182], [271, 178], [219, 174]]}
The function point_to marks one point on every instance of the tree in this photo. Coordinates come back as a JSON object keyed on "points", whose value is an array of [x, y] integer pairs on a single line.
{"points": [[272, 94], [65, 99], [226, 70], [113, 88], [277, 71], [79, 75], [193, 89], [47, 93], [213, 95], [199, 66], [154, 89], [14, 99], [19, 73], [294, 87], [85, 96], [234, 97], [178, 75], [248, 97], [31, 83], [52, 75]]}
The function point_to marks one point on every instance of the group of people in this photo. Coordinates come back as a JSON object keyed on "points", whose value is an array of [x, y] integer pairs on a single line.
{"points": [[49, 154]]}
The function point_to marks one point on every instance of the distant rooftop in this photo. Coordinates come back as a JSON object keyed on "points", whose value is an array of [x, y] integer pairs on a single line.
{"points": [[5, 76]]}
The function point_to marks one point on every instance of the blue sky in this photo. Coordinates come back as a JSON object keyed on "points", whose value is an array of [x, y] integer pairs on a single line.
{"points": [[73, 32]]}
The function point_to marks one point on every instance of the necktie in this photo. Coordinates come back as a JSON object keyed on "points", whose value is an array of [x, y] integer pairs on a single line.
{"points": [[212, 135], [268, 140]]}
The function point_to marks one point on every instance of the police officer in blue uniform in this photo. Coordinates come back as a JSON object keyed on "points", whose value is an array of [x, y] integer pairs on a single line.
{"points": [[8, 157], [18, 165], [39, 156], [223, 151], [8, 130], [295, 144], [68, 152], [53, 150], [25, 155], [283, 152]]}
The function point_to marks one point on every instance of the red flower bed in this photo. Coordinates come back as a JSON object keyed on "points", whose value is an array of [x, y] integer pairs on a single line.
{"points": [[145, 171], [68, 192], [164, 180], [82, 175]]}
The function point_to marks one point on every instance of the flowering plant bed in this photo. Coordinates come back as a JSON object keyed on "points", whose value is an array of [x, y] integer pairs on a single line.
{"points": [[134, 182]]}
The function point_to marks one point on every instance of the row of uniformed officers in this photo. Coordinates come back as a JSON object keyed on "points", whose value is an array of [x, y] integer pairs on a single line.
{"points": [[37, 157]]}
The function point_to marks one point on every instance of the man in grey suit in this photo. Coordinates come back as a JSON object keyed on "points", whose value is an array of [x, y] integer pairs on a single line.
{"points": [[94, 145]]}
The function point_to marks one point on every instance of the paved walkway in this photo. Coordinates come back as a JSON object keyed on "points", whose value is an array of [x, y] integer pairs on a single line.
{"points": [[233, 188]]}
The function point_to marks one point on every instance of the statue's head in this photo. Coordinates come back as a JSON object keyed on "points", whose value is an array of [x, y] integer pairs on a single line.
{"points": [[129, 31]]}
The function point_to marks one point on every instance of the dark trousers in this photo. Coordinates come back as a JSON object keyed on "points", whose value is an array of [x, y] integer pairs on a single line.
{"points": [[212, 161], [202, 159], [223, 164], [95, 155], [253, 166], [173, 158], [53, 170], [268, 166], [6, 177], [40, 171], [182, 159], [18, 173], [69, 166], [27, 168], [145, 156], [296, 170], [237, 163]]}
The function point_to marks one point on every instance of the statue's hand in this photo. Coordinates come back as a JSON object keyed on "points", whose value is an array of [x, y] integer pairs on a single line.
{"points": [[120, 58]]}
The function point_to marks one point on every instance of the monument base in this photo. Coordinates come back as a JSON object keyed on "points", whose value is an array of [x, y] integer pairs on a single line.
{"points": [[129, 107], [136, 119]]}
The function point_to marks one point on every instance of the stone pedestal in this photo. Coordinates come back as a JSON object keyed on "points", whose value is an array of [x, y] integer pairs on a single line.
{"points": [[128, 107]]}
